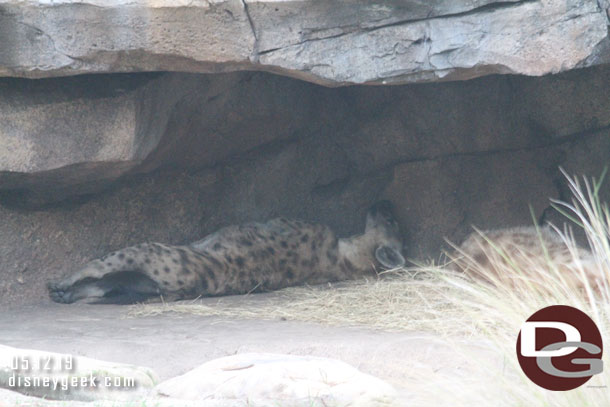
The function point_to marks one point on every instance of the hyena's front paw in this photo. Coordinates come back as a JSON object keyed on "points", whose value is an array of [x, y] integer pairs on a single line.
{"points": [[60, 293]]}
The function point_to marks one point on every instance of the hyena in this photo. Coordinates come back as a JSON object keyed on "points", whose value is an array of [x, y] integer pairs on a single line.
{"points": [[237, 259], [508, 255]]}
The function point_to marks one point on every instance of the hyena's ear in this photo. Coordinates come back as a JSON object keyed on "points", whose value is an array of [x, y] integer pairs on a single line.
{"points": [[389, 257]]}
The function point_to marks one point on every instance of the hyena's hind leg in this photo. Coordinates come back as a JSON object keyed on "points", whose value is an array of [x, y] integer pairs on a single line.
{"points": [[81, 284], [67, 295], [124, 271], [126, 287]]}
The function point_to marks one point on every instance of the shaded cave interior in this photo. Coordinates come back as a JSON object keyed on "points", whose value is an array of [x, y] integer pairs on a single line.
{"points": [[117, 159]]}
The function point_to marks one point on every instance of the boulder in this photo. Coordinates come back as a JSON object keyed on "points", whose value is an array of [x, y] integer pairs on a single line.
{"points": [[261, 379]]}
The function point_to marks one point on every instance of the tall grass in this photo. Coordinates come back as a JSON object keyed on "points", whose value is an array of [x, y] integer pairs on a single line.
{"points": [[497, 311]]}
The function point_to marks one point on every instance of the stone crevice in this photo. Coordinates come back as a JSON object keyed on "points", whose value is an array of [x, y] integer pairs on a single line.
{"points": [[575, 137], [488, 8], [253, 28]]}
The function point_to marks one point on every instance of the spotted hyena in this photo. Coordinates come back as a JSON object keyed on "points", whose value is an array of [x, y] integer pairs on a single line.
{"points": [[506, 255], [237, 260]]}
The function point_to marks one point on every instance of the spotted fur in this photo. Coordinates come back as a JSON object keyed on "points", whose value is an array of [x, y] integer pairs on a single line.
{"points": [[499, 253], [236, 260]]}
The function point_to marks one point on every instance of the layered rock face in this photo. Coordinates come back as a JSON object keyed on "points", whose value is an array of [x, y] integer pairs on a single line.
{"points": [[93, 163], [333, 43]]}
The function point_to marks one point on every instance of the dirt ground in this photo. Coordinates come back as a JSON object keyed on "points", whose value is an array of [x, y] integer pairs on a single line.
{"points": [[172, 344]]}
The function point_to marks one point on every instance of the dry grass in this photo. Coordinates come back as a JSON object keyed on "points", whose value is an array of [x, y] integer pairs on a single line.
{"points": [[400, 300], [430, 298], [499, 310]]}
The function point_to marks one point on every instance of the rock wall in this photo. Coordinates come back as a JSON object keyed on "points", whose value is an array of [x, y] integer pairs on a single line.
{"points": [[332, 42], [94, 163]]}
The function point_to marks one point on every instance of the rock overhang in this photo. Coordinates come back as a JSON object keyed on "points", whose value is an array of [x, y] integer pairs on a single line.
{"points": [[329, 43]]}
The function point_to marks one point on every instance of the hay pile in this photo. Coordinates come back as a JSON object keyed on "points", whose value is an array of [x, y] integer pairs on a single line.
{"points": [[400, 300]]}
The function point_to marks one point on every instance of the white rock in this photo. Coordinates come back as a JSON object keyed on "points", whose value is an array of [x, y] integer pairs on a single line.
{"points": [[262, 378]]}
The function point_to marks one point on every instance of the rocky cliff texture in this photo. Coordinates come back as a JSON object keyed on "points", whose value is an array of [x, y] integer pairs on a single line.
{"points": [[92, 163], [328, 42]]}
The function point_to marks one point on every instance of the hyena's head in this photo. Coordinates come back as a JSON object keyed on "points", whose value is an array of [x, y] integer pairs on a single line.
{"points": [[382, 229]]}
